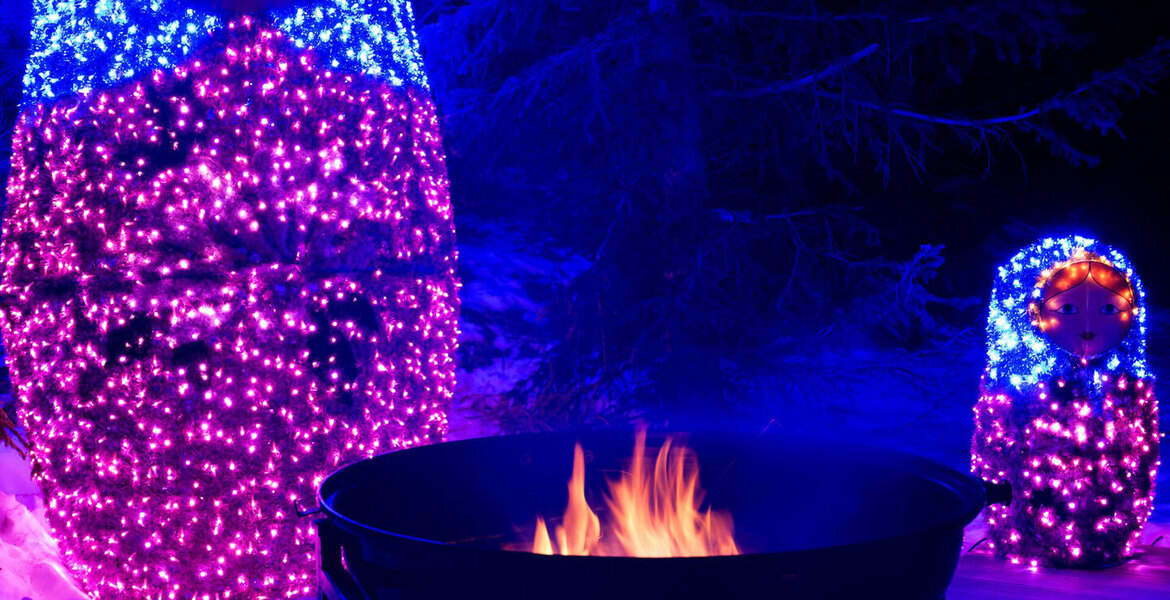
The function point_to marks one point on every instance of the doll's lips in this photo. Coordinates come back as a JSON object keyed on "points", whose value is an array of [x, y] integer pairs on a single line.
{"points": [[1088, 336]]}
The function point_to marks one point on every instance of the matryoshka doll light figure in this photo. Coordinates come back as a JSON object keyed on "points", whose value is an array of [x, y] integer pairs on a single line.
{"points": [[1067, 414], [228, 269]]}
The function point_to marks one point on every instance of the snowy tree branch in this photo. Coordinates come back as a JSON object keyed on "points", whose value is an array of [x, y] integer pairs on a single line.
{"points": [[823, 18], [781, 87], [1129, 79], [936, 119]]}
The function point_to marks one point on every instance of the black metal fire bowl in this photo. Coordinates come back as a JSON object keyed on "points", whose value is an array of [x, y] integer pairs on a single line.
{"points": [[816, 520]]}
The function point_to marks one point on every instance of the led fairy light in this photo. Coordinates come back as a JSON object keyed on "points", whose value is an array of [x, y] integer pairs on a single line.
{"points": [[224, 276], [1018, 353], [359, 35], [1076, 437], [82, 45]]}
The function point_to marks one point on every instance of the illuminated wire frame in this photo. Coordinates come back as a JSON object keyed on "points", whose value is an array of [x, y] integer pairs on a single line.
{"points": [[228, 268], [1077, 439], [77, 46]]}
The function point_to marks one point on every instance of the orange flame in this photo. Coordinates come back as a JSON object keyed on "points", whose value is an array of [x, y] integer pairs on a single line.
{"points": [[651, 514]]}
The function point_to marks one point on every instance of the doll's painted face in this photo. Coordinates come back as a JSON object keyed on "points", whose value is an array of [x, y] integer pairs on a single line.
{"points": [[1087, 308]]}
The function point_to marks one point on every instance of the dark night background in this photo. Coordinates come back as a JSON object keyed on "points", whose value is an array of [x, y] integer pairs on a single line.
{"points": [[770, 214]]}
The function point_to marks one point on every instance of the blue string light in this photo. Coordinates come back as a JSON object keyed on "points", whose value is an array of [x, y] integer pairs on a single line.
{"points": [[1018, 353], [81, 45], [360, 36]]}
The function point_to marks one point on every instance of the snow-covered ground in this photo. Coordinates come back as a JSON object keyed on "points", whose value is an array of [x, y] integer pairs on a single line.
{"points": [[30, 566], [507, 280]]}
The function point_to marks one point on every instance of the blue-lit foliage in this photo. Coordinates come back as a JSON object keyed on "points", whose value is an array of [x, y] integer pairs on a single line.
{"points": [[1018, 353], [693, 151], [82, 45]]}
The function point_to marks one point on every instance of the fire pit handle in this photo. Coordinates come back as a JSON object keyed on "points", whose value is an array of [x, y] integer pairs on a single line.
{"points": [[336, 581], [998, 493], [304, 512]]}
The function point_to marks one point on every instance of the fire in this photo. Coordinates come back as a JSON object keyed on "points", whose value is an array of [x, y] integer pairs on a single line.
{"points": [[651, 513]]}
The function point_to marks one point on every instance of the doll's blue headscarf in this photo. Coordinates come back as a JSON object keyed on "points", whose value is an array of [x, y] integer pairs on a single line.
{"points": [[1018, 353], [81, 45]]}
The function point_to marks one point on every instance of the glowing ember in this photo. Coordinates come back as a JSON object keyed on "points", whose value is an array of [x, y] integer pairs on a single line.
{"points": [[651, 514]]}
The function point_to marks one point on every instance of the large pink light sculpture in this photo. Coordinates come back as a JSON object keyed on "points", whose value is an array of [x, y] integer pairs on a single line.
{"points": [[222, 280]]}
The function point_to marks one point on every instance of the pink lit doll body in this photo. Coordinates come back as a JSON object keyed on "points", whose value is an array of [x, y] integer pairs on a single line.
{"points": [[229, 268], [1067, 414]]}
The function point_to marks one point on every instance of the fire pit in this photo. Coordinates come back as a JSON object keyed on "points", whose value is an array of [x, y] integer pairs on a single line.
{"points": [[812, 520]]}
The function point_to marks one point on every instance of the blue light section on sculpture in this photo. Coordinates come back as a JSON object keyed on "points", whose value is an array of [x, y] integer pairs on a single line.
{"points": [[358, 36], [78, 46], [81, 45], [1017, 351]]}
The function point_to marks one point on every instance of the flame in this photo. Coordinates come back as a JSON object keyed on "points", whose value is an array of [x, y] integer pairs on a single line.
{"points": [[581, 528], [651, 513]]}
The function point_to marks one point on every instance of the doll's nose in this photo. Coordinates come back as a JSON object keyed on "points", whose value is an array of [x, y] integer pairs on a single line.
{"points": [[1088, 336]]}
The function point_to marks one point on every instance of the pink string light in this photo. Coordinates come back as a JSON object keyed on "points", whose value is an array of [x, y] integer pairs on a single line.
{"points": [[221, 282], [1082, 477]]}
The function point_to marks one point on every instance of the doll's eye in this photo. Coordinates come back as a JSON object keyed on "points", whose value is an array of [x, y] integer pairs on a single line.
{"points": [[1068, 309], [1110, 309]]}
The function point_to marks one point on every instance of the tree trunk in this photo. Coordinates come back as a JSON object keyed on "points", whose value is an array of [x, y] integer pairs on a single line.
{"points": [[690, 381]]}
